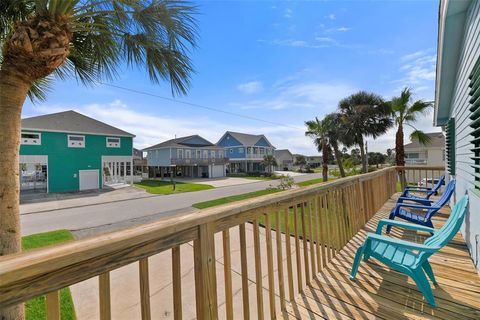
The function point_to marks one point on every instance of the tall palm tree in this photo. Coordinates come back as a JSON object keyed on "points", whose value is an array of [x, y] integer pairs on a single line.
{"points": [[317, 130], [269, 161], [364, 114], [406, 112], [89, 41], [335, 133]]}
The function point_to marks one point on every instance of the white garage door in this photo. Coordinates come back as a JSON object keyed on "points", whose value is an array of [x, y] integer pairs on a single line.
{"points": [[217, 171], [88, 179]]}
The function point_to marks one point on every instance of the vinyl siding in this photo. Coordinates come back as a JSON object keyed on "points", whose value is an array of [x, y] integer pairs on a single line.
{"points": [[460, 111], [159, 157]]}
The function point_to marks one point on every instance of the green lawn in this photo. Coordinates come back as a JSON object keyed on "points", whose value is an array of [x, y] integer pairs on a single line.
{"points": [[35, 308], [310, 182], [220, 201], [165, 187]]}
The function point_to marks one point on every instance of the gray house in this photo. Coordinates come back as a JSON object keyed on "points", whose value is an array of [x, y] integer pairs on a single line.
{"points": [[191, 156], [457, 106], [285, 159]]}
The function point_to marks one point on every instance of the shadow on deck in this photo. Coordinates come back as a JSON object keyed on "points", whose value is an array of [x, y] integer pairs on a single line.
{"points": [[381, 293]]}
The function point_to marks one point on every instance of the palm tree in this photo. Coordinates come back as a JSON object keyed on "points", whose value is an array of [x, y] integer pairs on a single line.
{"points": [[317, 130], [269, 161], [335, 134], [406, 112], [87, 40], [365, 115]]}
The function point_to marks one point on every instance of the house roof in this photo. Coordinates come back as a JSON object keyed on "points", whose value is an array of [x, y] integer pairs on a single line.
{"points": [[282, 153], [247, 139], [71, 122], [451, 28], [181, 142], [437, 140]]}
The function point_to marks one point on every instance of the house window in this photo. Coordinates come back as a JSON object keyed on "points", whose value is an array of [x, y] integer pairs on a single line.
{"points": [[450, 146], [179, 153], [412, 155], [240, 150], [205, 154], [231, 150], [113, 142], [220, 153], [212, 154], [188, 154], [75, 141], [199, 154], [31, 138]]}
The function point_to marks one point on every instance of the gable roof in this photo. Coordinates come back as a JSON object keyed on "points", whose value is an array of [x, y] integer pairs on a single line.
{"points": [[71, 122], [181, 143], [246, 139], [437, 140], [283, 153]]}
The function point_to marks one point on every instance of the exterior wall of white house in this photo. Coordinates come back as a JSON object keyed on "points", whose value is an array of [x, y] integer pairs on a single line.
{"points": [[469, 54]]}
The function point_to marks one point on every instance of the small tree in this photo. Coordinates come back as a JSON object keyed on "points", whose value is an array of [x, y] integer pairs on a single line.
{"points": [[300, 161], [269, 161]]}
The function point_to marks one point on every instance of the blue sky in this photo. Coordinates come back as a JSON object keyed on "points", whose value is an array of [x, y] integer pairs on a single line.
{"points": [[283, 61]]}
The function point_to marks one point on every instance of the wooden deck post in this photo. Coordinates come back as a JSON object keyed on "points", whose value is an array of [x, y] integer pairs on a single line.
{"points": [[205, 273]]}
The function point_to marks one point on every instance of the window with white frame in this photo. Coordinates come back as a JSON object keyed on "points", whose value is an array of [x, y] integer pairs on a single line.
{"points": [[31, 138], [240, 150], [212, 154], [179, 153], [220, 153], [205, 154], [188, 154], [231, 150], [76, 141], [113, 142]]}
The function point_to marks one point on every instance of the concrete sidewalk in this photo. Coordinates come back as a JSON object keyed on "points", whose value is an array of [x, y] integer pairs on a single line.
{"points": [[125, 288]]}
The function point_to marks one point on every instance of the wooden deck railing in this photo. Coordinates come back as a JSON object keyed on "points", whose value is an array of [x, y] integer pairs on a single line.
{"points": [[425, 175], [319, 220]]}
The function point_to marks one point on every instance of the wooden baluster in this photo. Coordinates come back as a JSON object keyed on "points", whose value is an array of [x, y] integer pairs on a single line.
{"points": [[311, 238], [341, 217], [321, 228], [316, 231], [144, 289], [297, 249], [305, 244], [328, 234], [205, 273], [53, 305], [281, 286], [177, 283], [271, 284], [244, 268], [288, 252], [227, 270], [104, 296], [332, 222], [258, 268]]}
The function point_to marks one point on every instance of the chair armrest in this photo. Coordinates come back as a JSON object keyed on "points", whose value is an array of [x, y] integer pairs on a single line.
{"points": [[418, 187], [402, 243], [413, 206], [404, 225], [426, 202], [419, 190]]}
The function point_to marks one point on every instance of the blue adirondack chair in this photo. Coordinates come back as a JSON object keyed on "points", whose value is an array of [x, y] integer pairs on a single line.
{"points": [[408, 257], [424, 218], [407, 193]]}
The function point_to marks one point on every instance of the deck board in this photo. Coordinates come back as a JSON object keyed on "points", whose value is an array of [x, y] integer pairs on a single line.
{"points": [[381, 293]]}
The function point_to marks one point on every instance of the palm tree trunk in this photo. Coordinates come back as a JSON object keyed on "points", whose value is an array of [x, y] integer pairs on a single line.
{"points": [[399, 147], [338, 157], [324, 160], [13, 91], [361, 145]]}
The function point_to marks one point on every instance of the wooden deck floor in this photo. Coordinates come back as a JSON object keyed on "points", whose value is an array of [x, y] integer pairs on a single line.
{"points": [[381, 293]]}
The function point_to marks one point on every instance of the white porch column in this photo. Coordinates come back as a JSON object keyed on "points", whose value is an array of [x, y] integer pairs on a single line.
{"points": [[131, 170], [124, 178]]}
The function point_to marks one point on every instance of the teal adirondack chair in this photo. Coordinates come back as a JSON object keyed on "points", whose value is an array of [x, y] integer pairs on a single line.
{"points": [[408, 257]]}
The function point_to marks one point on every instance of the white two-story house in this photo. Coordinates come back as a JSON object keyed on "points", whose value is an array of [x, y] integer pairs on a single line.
{"points": [[191, 156], [432, 154]]}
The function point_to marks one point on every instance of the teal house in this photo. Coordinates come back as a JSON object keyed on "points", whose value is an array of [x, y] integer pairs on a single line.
{"points": [[68, 152]]}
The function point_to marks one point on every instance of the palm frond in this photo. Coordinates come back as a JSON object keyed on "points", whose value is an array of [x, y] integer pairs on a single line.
{"points": [[39, 90], [421, 136]]}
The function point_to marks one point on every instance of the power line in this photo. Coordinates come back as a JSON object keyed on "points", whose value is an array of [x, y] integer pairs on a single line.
{"points": [[196, 105]]}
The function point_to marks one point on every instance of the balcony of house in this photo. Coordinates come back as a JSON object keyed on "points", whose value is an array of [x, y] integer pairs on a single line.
{"points": [[284, 255], [198, 161], [415, 162]]}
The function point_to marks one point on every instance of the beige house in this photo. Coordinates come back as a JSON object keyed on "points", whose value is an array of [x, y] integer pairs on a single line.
{"points": [[432, 154], [285, 159]]}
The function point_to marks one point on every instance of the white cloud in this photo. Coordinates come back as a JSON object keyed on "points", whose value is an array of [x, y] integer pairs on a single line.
{"points": [[250, 87], [151, 129], [288, 13], [343, 29], [336, 29], [419, 69], [331, 16]]}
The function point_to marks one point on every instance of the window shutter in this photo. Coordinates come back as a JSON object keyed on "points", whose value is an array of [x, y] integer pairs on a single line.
{"points": [[450, 145], [474, 101]]}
